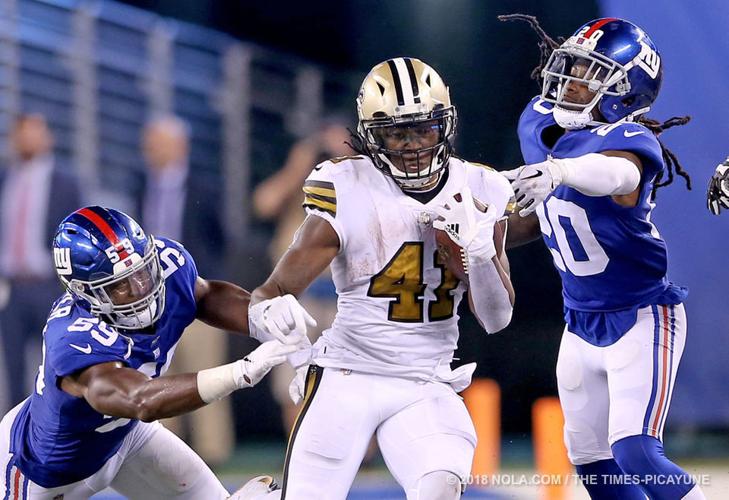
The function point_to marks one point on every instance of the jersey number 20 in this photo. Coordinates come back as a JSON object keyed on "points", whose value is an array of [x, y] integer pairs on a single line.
{"points": [[594, 259], [402, 279]]}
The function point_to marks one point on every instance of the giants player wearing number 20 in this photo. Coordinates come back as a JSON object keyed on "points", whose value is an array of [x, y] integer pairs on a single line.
{"points": [[91, 420], [593, 163]]}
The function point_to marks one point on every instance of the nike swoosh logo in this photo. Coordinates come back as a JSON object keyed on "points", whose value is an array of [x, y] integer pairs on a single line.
{"points": [[628, 133], [538, 174], [85, 350]]}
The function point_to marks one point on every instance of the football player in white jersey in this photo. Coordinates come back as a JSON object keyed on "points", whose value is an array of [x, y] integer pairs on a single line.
{"points": [[384, 366]]}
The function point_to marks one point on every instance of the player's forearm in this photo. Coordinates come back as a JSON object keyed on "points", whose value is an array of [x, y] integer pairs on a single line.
{"points": [[313, 249], [225, 306], [491, 293], [151, 400], [293, 273], [595, 174], [268, 290], [522, 230]]}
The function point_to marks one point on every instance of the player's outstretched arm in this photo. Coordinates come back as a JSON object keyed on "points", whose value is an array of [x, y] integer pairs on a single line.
{"points": [[274, 311], [222, 305], [119, 391], [609, 173]]}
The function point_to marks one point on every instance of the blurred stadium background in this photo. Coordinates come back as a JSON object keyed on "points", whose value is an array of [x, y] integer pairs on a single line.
{"points": [[252, 78]]}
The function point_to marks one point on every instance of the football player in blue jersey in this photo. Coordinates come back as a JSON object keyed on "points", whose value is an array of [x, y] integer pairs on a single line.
{"points": [[92, 420], [592, 165], [718, 195]]}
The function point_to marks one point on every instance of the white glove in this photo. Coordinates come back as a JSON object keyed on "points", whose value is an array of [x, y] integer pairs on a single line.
{"points": [[255, 366], [297, 387], [282, 318], [468, 227], [219, 381], [533, 183], [718, 196]]}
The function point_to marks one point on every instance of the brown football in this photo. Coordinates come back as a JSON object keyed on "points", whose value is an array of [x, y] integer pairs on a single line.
{"points": [[450, 254]]}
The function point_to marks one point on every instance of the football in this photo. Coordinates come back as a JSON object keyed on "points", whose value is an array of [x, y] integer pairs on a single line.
{"points": [[451, 255]]}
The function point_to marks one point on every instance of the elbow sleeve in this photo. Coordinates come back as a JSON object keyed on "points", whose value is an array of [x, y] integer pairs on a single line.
{"points": [[595, 174], [490, 298]]}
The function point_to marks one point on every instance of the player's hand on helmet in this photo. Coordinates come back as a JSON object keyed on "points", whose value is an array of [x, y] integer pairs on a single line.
{"points": [[468, 227], [533, 183], [282, 318], [717, 197], [253, 367]]}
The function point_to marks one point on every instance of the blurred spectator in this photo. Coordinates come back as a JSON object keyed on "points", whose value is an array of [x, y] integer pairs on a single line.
{"points": [[177, 203], [36, 196], [279, 198]]}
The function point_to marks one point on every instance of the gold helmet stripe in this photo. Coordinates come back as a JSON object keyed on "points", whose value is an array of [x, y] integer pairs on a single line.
{"points": [[396, 80], [413, 80]]}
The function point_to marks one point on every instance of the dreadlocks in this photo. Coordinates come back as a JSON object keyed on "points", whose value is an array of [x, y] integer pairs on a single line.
{"points": [[357, 143], [669, 157], [547, 45]]}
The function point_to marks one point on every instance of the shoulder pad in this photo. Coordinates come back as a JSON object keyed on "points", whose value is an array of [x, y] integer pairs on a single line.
{"points": [[320, 187]]}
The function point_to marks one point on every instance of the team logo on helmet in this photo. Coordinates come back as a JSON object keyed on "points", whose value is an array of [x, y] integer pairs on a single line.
{"points": [[62, 259]]}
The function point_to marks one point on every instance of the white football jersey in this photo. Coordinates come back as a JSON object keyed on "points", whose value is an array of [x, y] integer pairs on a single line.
{"points": [[397, 305]]}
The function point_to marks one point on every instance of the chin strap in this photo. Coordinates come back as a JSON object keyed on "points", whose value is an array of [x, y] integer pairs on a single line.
{"points": [[573, 120]]}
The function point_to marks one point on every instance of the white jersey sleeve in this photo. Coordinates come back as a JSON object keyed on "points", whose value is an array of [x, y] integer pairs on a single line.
{"points": [[321, 189]]}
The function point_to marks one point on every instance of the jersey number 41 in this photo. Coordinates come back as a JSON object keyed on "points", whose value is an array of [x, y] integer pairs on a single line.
{"points": [[402, 280]]}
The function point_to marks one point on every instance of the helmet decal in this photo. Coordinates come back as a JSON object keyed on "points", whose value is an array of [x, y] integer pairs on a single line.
{"points": [[62, 258]]}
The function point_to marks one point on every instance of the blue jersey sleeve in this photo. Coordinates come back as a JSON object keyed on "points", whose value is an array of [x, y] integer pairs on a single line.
{"points": [[636, 139], [78, 341], [176, 260], [178, 267]]}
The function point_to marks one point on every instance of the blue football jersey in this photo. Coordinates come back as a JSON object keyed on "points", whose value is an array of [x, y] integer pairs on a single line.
{"points": [[611, 258], [57, 438]]}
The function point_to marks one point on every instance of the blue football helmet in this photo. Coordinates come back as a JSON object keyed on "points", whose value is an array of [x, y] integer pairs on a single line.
{"points": [[616, 61], [104, 258]]}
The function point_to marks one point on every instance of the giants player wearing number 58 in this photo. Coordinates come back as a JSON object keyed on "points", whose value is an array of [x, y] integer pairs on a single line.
{"points": [[91, 421], [384, 366], [593, 164]]}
